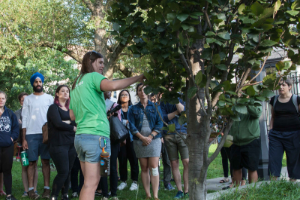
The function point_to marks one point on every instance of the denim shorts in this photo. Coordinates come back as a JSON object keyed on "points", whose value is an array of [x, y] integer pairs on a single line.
{"points": [[89, 147], [36, 147]]}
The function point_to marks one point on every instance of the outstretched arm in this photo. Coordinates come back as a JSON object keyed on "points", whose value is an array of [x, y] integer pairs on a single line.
{"points": [[107, 85]]}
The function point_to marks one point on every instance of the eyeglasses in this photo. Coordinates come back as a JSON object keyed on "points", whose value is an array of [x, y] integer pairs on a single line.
{"points": [[124, 95]]}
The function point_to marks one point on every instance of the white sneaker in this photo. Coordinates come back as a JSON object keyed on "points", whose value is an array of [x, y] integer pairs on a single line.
{"points": [[122, 186], [134, 186]]}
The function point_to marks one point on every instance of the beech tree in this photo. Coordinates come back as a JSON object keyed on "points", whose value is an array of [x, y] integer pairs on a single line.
{"points": [[192, 45]]}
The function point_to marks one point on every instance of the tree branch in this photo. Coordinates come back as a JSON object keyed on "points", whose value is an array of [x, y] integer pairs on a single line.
{"points": [[124, 70], [262, 67], [207, 17]]}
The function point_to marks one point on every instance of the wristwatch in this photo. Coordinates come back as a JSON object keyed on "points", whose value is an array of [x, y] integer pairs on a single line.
{"points": [[152, 136]]}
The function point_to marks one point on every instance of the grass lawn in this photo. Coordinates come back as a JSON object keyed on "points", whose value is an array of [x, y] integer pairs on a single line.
{"points": [[275, 190], [215, 170]]}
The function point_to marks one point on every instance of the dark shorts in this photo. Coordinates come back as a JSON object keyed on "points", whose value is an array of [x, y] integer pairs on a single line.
{"points": [[36, 147], [290, 143], [245, 156], [175, 144]]}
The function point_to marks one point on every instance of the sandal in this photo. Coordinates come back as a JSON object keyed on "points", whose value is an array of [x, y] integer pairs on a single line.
{"points": [[225, 180]]}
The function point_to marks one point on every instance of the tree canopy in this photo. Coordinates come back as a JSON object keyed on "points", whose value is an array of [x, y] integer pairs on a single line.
{"points": [[219, 47]]}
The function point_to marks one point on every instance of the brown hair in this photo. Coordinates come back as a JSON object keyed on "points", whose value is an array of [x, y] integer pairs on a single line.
{"points": [[87, 67], [21, 95], [287, 81]]}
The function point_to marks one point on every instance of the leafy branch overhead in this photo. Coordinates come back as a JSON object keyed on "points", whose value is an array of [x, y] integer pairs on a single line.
{"points": [[234, 39]]}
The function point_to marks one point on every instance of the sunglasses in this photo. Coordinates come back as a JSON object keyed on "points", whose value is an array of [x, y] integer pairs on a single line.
{"points": [[124, 95]]}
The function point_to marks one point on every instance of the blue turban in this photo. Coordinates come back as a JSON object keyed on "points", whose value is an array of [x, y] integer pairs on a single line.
{"points": [[36, 75]]}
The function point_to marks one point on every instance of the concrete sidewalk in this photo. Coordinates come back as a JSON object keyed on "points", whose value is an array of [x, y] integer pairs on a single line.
{"points": [[214, 184]]}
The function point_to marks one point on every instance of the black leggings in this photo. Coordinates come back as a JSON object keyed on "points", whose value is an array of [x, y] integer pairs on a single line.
{"points": [[6, 161], [127, 152], [63, 157]]}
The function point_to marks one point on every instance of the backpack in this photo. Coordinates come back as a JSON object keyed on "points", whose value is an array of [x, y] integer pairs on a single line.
{"points": [[294, 98]]}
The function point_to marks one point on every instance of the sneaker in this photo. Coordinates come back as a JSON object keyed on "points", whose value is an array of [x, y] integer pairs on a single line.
{"points": [[134, 186], [65, 197], [74, 195], [25, 194], [98, 193], [169, 187], [104, 198], [46, 193], [122, 186], [179, 195], [11, 197], [33, 195], [114, 198]]}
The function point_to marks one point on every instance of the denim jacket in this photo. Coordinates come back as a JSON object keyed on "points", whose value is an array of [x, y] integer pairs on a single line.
{"points": [[125, 123], [168, 108], [135, 118]]}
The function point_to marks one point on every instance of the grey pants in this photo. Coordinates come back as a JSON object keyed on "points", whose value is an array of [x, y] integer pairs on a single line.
{"points": [[167, 165]]}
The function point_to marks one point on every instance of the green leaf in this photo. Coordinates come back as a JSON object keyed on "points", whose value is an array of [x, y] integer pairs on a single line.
{"points": [[216, 59], [171, 16], [221, 103], [210, 33], [250, 91], [292, 12], [257, 9], [277, 5], [241, 8], [267, 93], [192, 91], [221, 16], [295, 5], [290, 53], [260, 98], [182, 119], [160, 29], [293, 67], [116, 26], [147, 75], [198, 78], [136, 40], [225, 35], [280, 66], [182, 17], [267, 43], [235, 118], [195, 15], [171, 128], [232, 93], [243, 100], [136, 55], [241, 109], [222, 67]]}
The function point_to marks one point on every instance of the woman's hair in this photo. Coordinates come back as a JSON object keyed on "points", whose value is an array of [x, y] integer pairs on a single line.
{"points": [[1, 92], [137, 87], [56, 101], [87, 67], [119, 98], [21, 95], [287, 81]]}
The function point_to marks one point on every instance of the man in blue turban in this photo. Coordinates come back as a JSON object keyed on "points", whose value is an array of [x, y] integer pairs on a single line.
{"points": [[34, 115]]}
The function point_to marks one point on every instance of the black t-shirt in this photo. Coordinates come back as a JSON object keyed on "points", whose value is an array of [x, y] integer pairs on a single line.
{"points": [[125, 115], [285, 116], [59, 132]]}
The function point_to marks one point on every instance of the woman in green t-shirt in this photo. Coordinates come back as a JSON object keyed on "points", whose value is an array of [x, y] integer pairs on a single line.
{"points": [[87, 108]]}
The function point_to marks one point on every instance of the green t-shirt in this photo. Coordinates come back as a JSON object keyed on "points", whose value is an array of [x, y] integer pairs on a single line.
{"points": [[88, 105]]}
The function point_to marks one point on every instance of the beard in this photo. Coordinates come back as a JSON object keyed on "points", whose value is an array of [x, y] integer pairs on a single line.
{"points": [[38, 90]]}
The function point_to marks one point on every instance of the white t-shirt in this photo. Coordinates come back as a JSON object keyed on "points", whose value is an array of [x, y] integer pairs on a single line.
{"points": [[34, 112]]}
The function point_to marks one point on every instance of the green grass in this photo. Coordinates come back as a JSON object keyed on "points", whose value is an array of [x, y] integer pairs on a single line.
{"points": [[215, 170], [275, 190]]}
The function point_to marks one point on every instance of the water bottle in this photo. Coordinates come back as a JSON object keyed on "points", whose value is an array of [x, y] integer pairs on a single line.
{"points": [[104, 159], [24, 157]]}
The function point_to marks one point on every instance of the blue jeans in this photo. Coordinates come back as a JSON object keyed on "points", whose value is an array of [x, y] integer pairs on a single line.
{"points": [[36, 147], [89, 147]]}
